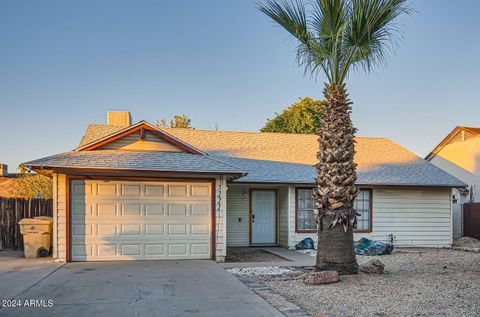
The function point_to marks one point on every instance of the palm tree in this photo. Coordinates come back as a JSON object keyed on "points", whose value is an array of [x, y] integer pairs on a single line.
{"points": [[334, 38]]}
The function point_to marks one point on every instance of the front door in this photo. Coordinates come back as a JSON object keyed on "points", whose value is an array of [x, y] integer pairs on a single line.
{"points": [[263, 217]]}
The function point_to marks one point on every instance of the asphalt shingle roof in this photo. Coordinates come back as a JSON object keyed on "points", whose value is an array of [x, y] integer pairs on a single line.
{"points": [[124, 160], [409, 174], [289, 158], [97, 131]]}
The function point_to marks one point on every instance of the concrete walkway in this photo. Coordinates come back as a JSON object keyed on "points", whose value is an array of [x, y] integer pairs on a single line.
{"points": [[292, 257], [128, 288], [18, 274]]}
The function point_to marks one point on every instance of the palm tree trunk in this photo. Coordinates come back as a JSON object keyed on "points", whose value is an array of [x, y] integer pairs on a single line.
{"points": [[336, 191]]}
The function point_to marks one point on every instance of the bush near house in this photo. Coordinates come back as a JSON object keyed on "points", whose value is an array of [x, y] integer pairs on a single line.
{"points": [[30, 186]]}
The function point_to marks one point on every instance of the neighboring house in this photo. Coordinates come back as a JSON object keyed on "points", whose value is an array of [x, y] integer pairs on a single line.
{"points": [[7, 181], [138, 192], [459, 154]]}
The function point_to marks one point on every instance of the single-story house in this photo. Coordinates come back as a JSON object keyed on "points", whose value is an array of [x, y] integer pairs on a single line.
{"points": [[140, 192]]}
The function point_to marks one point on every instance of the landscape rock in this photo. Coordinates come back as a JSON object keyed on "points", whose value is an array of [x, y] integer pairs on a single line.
{"points": [[324, 277], [467, 244], [466, 241], [372, 267]]}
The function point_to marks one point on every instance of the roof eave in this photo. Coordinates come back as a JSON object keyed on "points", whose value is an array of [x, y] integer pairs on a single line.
{"points": [[64, 168], [371, 184]]}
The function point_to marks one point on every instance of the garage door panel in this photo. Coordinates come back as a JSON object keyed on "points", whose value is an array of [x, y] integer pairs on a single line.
{"points": [[106, 250], [136, 251], [177, 249], [199, 249], [200, 230], [106, 189], [178, 229], [131, 190], [131, 209], [106, 209], [82, 250], [131, 230], [155, 229], [177, 190], [177, 209], [200, 191], [154, 191], [106, 230], [152, 209], [131, 249], [200, 210], [140, 220], [153, 250], [82, 230]]}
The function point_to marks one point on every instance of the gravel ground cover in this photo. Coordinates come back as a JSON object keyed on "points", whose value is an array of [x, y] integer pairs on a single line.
{"points": [[416, 282], [263, 271]]}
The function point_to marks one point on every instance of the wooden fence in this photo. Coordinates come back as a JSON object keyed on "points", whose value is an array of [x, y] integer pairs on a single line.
{"points": [[471, 220], [12, 210]]}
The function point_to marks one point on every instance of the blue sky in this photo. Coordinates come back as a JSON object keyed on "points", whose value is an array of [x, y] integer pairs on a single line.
{"points": [[64, 64]]}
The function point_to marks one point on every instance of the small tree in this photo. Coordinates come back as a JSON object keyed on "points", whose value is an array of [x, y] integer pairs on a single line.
{"points": [[32, 186], [302, 117], [178, 121]]}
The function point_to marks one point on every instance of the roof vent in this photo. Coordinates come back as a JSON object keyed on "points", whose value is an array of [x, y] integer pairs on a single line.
{"points": [[119, 118]]}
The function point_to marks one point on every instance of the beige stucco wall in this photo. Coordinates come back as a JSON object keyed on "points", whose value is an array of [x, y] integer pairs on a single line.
{"points": [[462, 160], [60, 225]]}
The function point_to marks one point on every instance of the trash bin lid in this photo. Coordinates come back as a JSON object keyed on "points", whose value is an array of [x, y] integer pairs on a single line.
{"points": [[43, 218], [35, 221]]}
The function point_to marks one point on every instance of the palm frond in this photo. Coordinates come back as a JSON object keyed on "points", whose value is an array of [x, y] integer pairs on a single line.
{"points": [[339, 35], [293, 18], [290, 15], [371, 34], [328, 18]]}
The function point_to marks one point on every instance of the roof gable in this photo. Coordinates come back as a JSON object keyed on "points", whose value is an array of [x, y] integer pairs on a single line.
{"points": [[138, 137], [460, 133]]}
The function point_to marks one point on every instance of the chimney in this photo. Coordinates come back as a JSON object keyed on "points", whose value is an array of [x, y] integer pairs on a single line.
{"points": [[122, 118], [3, 170]]}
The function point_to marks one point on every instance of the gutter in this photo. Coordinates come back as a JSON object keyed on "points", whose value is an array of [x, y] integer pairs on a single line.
{"points": [[60, 168]]}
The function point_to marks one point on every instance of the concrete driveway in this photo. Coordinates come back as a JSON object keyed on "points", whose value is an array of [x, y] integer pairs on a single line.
{"points": [[127, 288]]}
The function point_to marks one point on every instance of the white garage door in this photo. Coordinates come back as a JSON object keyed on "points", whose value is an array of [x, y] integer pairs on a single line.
{"points": [[130, 220]]}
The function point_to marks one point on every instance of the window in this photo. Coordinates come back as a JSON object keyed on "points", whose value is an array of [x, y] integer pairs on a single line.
{"points": [[363, 205], [306, 215]]}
